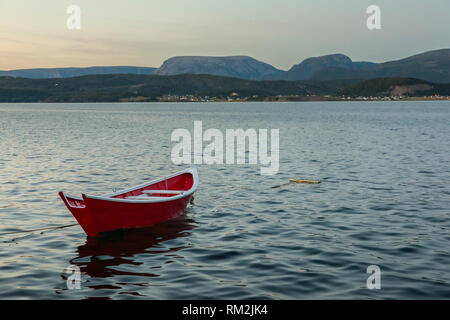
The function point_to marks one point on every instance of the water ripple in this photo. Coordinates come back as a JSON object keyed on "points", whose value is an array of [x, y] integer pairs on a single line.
{"points": [[384, 200]]}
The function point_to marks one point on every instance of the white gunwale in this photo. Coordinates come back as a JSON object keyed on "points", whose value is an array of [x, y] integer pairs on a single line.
{"points": [[108, 197]]}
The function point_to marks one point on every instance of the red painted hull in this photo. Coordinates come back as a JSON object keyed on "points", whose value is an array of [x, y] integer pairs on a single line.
{"points": [[132, 208]]}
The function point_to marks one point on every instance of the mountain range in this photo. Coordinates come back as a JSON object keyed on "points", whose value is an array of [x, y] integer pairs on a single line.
{"points": [[243, 67], [309, 68], [47, 73], [431, 66]]}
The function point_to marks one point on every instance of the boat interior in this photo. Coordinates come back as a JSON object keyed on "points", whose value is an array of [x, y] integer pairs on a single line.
{"points": [[168, 187], [162, 189]]}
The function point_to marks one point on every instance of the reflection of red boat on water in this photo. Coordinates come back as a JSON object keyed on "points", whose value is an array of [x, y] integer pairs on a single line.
{"points": [[126, 248], [143, 205]]}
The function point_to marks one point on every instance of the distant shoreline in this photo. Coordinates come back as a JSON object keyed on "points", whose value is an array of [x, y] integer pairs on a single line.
{"points": [[235, 101], [316, 99], [206, 88]]}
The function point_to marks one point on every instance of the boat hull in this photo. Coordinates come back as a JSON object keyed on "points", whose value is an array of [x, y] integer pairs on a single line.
{"points": [[101, 214], [107, 216]]}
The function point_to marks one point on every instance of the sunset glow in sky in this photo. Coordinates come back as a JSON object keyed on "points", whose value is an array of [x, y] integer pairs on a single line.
{"points": [[33, 33]]}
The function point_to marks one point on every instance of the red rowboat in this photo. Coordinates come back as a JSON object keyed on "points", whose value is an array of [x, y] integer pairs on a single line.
{"points": [[144, 205]]}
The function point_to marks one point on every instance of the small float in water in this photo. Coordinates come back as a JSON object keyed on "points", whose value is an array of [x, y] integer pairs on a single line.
{"points": [[307, 181], [141, 206]]}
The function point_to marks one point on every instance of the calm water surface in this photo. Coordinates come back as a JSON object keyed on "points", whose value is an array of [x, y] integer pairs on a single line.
{"points": [[384, 200]]}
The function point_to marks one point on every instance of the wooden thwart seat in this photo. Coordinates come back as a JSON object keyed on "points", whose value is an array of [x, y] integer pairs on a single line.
{"points": [[163, 191], [147, 194], [142, 197]]}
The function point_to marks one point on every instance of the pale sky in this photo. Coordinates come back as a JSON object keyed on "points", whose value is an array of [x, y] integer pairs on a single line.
{"points": [[33, 33]]}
